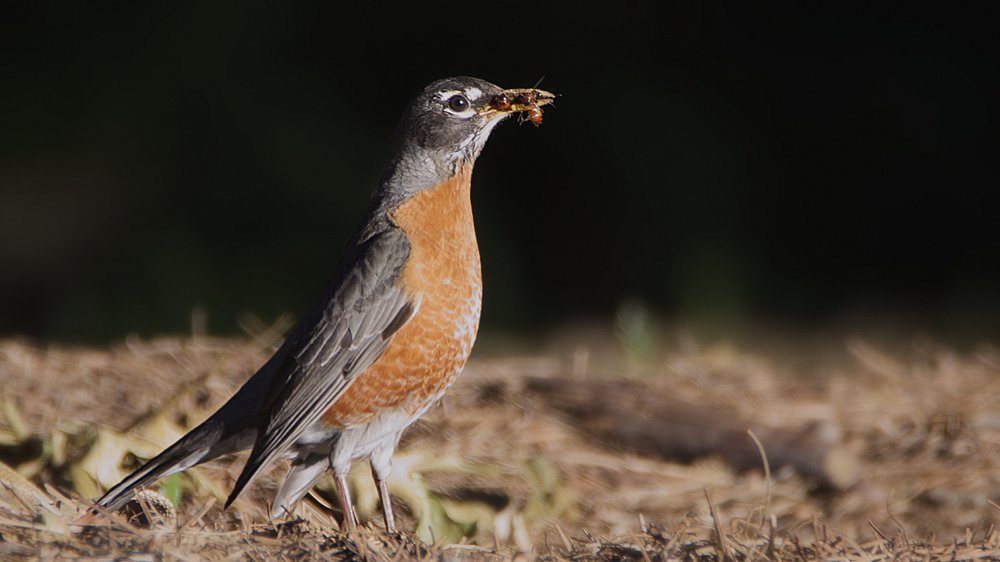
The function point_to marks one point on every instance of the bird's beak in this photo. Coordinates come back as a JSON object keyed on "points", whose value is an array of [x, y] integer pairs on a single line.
{"points": [[517, 100]]}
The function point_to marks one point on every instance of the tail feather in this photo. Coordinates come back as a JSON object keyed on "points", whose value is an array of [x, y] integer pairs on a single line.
{"points": [[303, 473], [202, 444], [230, 429]]}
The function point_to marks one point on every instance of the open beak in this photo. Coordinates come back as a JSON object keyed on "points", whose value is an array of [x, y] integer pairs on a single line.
{"points": [[528, 101]]}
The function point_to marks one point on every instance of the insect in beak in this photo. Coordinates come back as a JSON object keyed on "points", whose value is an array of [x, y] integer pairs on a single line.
{"points": [[528, 101]]}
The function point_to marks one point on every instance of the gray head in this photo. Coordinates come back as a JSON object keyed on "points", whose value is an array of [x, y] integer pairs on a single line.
{"points": [[446, 126]]}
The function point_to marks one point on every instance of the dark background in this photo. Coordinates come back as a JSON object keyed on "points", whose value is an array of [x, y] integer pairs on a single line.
{"points": [[727, 166]]}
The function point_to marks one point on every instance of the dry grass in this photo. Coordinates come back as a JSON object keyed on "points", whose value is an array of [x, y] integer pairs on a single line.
{"points": [[499, 467]]}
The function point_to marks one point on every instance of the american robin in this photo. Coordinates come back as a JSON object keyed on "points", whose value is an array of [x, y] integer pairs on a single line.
{"points": [[393, 329]]}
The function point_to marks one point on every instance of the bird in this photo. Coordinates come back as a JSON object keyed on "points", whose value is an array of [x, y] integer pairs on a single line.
{"points": [[392, 330]]}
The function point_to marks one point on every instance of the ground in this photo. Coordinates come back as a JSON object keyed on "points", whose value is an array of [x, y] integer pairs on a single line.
{"points": [[600, 447]]}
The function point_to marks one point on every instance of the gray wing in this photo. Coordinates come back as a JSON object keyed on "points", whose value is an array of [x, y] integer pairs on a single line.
{"points": [[361, 311]]}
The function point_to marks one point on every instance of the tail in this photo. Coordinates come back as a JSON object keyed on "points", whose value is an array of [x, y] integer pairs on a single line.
{"points": [[228, 430], [202, 444]]}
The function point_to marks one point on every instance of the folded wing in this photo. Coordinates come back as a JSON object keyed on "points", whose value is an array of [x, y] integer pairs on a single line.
{"points": [[362, 310]]}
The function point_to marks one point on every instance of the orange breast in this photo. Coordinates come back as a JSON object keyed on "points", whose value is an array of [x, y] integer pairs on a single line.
{"points": [[444, 276]]}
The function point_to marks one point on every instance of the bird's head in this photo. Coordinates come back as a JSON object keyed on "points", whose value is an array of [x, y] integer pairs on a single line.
{"points": [[452, 118]]}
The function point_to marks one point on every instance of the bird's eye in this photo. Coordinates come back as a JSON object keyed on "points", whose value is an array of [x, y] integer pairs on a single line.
{"points": [[458, 103]]}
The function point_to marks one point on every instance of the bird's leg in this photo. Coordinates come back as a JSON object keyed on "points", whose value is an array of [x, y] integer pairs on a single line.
{"points": [[383, 496], [350, 517], [381, 463]]}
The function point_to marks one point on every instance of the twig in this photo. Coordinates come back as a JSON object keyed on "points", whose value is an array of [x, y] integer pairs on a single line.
{"points": [[723, 545], [880, 537], [562, 536], [767, 473], [201, 513]]}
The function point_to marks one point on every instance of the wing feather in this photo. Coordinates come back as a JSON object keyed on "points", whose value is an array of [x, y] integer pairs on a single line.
{"points": [[339, 340]]}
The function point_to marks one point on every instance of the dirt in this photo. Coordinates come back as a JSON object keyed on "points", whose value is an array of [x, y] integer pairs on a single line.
{"points": [[908, 444]]}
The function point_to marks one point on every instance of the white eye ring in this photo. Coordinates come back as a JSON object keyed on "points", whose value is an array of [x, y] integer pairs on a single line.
{"points": [[458, 103]]}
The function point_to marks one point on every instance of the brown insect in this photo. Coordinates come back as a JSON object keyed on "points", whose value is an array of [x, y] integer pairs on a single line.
{"points": [[501, 103], [534, 115], [528, 101], [526, 97]]}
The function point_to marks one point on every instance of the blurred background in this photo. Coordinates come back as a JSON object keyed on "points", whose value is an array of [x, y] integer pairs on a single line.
{"points": [[714, 165]]}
